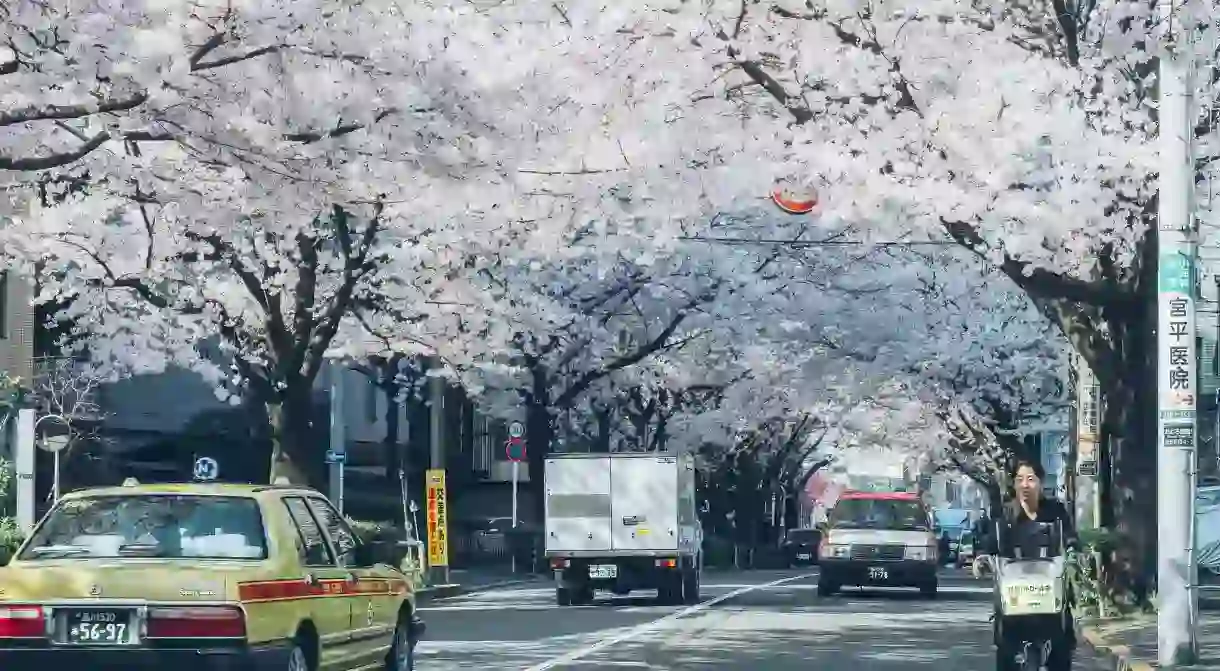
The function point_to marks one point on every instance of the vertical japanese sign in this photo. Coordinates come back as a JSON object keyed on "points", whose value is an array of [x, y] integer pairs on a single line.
{"points": [[1176, 348], [438, 519]]}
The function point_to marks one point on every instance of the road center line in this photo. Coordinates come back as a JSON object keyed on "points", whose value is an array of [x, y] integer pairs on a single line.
{"points": [[649, 627]]}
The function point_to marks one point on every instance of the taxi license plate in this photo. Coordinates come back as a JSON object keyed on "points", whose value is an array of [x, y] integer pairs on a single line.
{"points": [[603, 571], [878, 573], [803, 556], [98, 626]]}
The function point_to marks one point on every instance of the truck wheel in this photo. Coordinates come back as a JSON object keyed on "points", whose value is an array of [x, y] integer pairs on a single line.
{"points": [[563, 597], [690, 585], [669, 591]]}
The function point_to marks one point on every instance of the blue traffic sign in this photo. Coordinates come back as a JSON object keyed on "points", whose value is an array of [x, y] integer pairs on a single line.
{"points": [[515, 449]]}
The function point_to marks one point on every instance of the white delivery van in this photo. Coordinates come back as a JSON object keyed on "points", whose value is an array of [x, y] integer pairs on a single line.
{"points": [[621, 522]]}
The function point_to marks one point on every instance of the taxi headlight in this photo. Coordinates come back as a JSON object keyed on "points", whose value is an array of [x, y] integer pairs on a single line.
{"points": [[838, 550]]}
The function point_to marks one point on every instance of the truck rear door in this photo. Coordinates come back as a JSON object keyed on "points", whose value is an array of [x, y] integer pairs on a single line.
{"points": [[645, 494], [578, 505]]}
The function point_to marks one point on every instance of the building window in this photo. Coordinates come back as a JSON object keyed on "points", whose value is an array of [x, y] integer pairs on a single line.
{"points": [[371, 392]]}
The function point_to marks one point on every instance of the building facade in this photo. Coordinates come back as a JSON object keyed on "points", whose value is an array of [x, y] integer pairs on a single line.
{"points": [[16, 327]]}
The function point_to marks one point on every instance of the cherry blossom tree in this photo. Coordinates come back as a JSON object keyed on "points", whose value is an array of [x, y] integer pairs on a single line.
{"points": [[280, 179], [1021, 131]]}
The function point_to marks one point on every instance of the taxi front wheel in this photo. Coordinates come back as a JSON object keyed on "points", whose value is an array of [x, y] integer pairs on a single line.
{"points": [[402, 653]]}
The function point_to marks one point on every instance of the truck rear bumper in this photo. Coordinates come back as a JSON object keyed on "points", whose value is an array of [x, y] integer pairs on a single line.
{"points": [[618, 573]]}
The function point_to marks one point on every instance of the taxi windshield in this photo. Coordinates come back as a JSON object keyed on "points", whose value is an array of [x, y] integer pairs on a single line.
{"points": [[153, 525], [892, 514]]}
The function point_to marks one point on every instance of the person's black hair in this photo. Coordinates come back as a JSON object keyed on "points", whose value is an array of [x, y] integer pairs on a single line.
{"points": [[1033, 465]]}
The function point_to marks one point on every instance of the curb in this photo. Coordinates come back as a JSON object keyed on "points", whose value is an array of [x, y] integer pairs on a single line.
{"points": [[435, 592], [1116, 656]]}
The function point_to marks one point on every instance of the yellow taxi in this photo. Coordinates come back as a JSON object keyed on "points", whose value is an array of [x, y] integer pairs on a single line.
{"points": [[202, 576]]}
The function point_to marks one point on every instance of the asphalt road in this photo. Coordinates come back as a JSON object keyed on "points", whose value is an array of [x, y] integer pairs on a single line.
{"points": [[764, 621]]}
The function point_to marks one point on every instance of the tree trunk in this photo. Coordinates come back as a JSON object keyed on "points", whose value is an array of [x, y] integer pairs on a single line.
{"points": [[390, 447], [292, 450], [539, 432], [1129, 502]]}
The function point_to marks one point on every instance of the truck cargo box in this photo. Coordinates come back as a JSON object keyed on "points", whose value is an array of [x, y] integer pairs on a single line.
{"points": [[620, 504]]}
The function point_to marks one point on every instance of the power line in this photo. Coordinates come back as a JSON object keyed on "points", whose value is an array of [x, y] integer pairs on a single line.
{"points": [[821, 243]]}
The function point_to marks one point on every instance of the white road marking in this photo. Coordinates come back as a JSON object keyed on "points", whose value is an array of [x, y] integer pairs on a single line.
{"points": [[648, 627]]}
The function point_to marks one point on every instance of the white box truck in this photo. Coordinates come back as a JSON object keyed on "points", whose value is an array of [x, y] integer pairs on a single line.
{"points": [[623, 521]]}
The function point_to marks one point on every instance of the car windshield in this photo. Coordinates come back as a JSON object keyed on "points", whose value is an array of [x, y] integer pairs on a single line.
{"points": [[162, 526], [894, 514], [806, 536]]}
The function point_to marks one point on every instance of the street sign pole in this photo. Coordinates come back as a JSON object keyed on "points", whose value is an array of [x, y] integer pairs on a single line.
{"points": [[516, 483], [516, 452]]}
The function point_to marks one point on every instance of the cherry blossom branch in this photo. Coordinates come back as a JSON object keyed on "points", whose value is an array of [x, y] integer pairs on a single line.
{"points": [[61, 112]]}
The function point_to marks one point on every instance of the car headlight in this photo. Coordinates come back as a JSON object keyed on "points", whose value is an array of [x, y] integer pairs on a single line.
{"points": [[840, 551], [919, 553]]}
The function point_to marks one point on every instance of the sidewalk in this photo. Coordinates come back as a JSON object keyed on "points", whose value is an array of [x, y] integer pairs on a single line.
{"points": [[1130, 644], [466, 581]]}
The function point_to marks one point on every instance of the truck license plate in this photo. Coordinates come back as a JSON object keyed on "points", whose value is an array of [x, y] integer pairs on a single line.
{"points": [[878, 573], [603, 571]]}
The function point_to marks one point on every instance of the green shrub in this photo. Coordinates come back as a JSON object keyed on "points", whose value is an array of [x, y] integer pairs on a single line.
{"points": [[10, 539], [370, 532]]}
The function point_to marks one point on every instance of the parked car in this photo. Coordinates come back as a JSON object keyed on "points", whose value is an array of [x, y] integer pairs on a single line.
{"points": [[801, 546], [202, 576]]}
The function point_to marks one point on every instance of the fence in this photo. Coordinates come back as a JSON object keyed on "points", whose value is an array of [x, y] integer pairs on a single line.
{"points": [[482, 549]]}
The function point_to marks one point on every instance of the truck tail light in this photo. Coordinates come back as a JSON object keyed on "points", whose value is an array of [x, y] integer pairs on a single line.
{"points": [[667, 563], [22, 622], [558, 562], [197, 622]]}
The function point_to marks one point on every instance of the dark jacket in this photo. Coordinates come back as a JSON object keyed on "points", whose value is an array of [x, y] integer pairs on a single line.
{"points": [[1010, 530]]}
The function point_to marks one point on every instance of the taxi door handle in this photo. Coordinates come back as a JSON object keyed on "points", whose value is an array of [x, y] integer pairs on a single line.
{"points": [[351, 578], [311, 580]]}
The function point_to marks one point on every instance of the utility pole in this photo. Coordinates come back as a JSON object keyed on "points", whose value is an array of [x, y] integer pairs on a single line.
{"points": [[1176, 357], [336, 457]]}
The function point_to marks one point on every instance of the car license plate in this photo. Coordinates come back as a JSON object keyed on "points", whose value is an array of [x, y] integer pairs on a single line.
{"points": [[805, 555], [953, 546], [603, 571], [96, 626], [878, 573]]}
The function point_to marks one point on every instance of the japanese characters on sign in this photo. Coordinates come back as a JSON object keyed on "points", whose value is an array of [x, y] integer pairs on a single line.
{"points": [[438, 518], [1179, 372], [1176, 339]]}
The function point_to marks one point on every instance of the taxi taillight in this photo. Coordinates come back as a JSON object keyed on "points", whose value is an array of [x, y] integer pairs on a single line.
{"points": [[196, 622], [22, 622]]}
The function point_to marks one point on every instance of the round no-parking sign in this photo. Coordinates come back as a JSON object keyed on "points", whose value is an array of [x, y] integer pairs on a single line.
{"points": [[206, 468]]}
